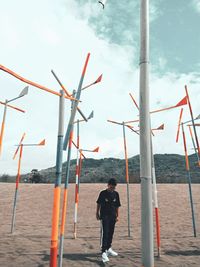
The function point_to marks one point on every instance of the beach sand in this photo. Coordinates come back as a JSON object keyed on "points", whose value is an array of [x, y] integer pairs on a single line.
{"points": [[29, 245]]}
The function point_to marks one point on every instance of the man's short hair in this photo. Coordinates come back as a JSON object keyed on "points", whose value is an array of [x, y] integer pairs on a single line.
{"points": [[112, 181]]}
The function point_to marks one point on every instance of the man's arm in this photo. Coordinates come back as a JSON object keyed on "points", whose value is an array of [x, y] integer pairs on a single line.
{"points": [[117, 214], [98, 211]]}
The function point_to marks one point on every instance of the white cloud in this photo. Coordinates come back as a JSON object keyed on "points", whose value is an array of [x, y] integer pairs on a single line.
{"points": [[196, 4]]}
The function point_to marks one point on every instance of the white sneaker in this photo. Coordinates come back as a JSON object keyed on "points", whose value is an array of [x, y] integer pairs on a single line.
{"points": [[105, 257], [111, 252]]}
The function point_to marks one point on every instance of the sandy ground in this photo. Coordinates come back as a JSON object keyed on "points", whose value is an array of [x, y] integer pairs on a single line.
{"points": [[29, 245]]}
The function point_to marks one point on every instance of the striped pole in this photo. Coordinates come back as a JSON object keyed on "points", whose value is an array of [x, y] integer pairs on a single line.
{"points": [[16, 189], [56, 199], [65, 195], [192, 117], [155, 200], [127, 181], [77, 185], [189, 180], [179, 125]]}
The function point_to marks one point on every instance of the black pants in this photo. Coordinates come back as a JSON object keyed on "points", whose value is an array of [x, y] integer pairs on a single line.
{"points": [[108, 227]]}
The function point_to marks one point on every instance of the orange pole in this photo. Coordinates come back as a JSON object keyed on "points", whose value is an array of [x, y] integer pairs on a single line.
{"points": [[157, 228], [179, 125], [1, 135], [185, 149], [57, 187], [55, 222], [32, 83], [19, 167]]}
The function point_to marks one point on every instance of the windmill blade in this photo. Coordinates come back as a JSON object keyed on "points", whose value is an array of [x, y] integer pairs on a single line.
{"points": [[198, 117], [19, 145], [96, 149], [182, 102], [91, 115], [161, 127], [24, 92], [42, 143], [179, 125], [98, 80]]}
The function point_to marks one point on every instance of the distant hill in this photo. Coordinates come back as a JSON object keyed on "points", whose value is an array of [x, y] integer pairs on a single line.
{"points": [[170, 168]]}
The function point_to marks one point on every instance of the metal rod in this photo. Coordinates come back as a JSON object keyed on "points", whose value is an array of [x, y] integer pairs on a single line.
{"points": [[77, 183], [127, 182], [56, 199], [65, 197], [145, 146], [189, 180], [16, 189]]}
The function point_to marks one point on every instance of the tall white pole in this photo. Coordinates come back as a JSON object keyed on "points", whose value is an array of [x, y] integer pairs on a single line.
{"points": [[145, 144]]}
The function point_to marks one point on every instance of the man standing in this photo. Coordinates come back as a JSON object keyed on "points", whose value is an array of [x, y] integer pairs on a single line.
{"points": [[108, 204]]}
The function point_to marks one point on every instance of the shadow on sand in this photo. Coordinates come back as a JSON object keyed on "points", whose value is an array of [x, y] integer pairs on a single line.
{"points": [[183, 252], [85, 257]]}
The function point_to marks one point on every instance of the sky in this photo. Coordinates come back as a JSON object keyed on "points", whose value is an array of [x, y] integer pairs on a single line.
{"points": [[37, 36]]}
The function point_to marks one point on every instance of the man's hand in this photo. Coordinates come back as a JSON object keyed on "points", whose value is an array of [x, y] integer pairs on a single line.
{"points": [[117, 219], [97, 216]]}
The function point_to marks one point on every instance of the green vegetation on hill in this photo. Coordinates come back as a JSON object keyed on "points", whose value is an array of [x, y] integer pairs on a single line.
{"points": [[170, 168]]}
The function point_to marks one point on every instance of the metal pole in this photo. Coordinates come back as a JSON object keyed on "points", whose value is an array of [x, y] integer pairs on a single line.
{"points": [[155, 199], [56, 200], [189, 180], [127, 181], [145, 146], [64, 207], [16, 190], [3, 126], [77, 183]]}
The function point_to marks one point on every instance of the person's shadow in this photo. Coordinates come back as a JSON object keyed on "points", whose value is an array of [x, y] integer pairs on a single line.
{"points": [[85, 257]]}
